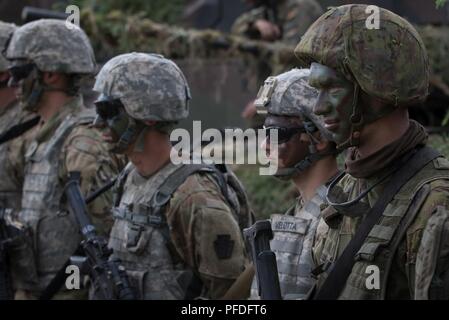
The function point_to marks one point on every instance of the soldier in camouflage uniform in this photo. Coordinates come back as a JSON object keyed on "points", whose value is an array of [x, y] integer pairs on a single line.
{"points": [[366, 80], [284, 20], [178, 238], [306, 158], [11, 159], [48, 62]]}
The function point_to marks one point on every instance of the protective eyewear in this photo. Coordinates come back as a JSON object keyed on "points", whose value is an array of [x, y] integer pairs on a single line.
{"points": [[284, 134], [21, 72]]}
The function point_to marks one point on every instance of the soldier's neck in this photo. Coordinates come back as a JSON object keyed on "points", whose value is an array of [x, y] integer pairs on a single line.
{"points": [[51, 103], [317, 175], [7, 96], [155, 155], [383, 131]]}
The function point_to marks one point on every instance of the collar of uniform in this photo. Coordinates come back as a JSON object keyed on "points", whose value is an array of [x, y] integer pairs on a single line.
{"points": [[74, 107], [315, 204], [138, 179]]}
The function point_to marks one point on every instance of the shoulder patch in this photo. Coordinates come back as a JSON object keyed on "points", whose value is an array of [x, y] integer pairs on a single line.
{"points": [[223, 246]]}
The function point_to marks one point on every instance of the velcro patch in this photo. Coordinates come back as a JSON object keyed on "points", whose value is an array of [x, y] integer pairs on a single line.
{"points": [[223, 246], [285, 223]]}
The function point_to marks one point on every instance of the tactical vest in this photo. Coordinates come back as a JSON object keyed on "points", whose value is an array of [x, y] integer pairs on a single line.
{"points": [[55, 233], [10, 186], [140, 236], [381, 245], [293, 235]]}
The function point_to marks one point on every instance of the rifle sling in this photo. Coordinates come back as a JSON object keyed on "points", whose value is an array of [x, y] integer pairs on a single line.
{"points": [[414, 161], [18, 130]]}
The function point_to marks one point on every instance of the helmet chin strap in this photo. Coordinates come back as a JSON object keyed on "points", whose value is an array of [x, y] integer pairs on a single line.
{"points": [[133, 130]]}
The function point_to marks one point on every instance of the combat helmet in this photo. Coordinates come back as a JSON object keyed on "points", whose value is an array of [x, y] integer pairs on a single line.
{"points": [[378, 60], [289, 94], [53, 47], [48, 45], [146, 87], [6, 30], [149, 86]]}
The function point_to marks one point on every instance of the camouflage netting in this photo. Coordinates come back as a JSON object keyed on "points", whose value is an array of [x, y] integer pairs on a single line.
{"points": [[116, 33]]}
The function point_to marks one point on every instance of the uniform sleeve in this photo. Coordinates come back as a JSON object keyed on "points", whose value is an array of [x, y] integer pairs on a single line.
{"points": [[84, 151], [432, 263], [209, 240], [427, 246]]}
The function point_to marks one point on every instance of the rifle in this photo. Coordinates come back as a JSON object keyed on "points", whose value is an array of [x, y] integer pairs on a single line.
{"points": [[6, 292], [32, 13], [259, 236], [109, 278]]}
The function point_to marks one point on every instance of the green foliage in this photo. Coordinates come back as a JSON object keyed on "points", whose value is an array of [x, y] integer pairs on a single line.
{"points": [[441, 143], [167, 11], [267, 194], [440, 3]]}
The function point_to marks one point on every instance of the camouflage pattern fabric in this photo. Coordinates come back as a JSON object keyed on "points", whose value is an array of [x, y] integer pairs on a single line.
{"points": [[149, 86], [64, 143], [6, 29], [340, 40], [12, 157], [40, 42], [204, 239], [294, 233], [406, 245], [294, 18], [289, 94]]}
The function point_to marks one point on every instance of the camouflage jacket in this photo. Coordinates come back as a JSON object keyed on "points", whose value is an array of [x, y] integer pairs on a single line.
{"points": [[202, 241], [293, 17], [64, 143], [12, 157], [409, 245]]}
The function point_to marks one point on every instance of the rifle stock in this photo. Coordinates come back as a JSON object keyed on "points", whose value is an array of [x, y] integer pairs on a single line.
{"points": [[259, 236]]}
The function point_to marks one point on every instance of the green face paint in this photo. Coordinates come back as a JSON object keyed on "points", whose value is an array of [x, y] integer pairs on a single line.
{"points": [[335, 101], [123, 130]]}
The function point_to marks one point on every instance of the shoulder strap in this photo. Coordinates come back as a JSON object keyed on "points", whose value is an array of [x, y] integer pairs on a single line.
{"points": [[163, 195], [119, 183], [18, 130], [340, 271]]}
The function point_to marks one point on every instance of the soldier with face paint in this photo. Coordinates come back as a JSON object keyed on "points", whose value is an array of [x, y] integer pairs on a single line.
{"points": [[390, 211], [48, 61], [176, 227], [307, 158]]}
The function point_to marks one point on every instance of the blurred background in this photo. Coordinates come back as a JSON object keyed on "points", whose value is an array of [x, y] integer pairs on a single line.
{"points": [[225, 69]]}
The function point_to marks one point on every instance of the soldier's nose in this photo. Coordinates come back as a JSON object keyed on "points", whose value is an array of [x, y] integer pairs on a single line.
{"points": [[322, 106], [265, 145]]}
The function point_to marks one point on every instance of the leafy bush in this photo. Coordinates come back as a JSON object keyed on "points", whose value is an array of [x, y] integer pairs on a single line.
{"points": [[167, 11]]}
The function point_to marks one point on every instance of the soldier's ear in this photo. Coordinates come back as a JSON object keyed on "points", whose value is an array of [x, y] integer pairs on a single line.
{"points": [[54, 79]]}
